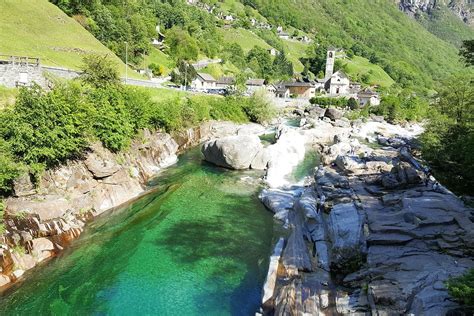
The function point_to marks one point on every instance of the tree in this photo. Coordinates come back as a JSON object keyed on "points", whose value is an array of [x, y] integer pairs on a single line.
{"points": [[181, 45], [282, 66], [261, 57], [235, 54], [467, 52], [100, 71], [48, 127], [184, 74], [456, 98], [352, 104]]}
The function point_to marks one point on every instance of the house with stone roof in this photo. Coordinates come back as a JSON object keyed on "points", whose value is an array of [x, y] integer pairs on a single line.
{"points": [[368, 96], [204, 81], [255, 84]]}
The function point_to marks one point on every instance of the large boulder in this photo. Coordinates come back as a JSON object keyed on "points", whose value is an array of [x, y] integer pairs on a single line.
{"points": [[233, 152], [316, 112], [333, 114]]}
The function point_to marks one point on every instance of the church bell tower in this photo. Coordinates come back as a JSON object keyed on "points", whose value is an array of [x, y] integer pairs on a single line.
{"points": [[330, 58]]}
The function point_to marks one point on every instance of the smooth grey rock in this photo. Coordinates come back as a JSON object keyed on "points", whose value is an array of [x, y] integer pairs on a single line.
{"points": [[345, 231], [261, 159], [22, 186], [350, 164], [233, 152]]}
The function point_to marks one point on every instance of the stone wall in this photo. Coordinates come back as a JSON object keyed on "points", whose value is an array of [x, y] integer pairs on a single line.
{"points": [[13, 75]]}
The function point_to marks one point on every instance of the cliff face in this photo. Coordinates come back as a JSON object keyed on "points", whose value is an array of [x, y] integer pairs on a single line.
{"points": [[463, 9]]}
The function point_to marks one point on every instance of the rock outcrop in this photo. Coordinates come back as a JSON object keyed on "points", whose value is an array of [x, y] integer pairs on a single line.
{"points": [[463, 9], [371, 235]]}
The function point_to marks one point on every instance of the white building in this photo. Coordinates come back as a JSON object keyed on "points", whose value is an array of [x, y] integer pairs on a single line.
{"points": [[338, 84], [203, 82]]}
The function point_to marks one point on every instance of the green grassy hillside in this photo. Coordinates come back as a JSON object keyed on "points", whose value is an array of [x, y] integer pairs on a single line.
{"points": [[357, 67], [37, 28], [245, 38]]}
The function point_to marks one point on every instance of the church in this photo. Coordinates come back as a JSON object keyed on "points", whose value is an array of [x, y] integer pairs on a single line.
{"points": [[337, 84]]}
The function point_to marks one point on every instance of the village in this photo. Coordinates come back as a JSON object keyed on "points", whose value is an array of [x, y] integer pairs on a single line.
{"points": [[333, 85]]}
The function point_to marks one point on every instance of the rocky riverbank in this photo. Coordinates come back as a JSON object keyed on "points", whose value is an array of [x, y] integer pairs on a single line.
{"points": [[370, 234], [42, 220]]}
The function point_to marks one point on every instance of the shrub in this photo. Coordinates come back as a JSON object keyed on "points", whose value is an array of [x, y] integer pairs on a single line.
{"points": [[9, 168], [100, 71], [258, 108], [326, 102], [353, 104], [462, 288], [48, 127], [156, 69], [112, 124]]}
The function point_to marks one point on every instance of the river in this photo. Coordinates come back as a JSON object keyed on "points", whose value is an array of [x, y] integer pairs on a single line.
{"points": [[197, 244]]}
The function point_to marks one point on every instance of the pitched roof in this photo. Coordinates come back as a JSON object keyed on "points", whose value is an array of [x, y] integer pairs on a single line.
{"points": [[367, 92], [206, 77], [340, 73], [298, 84], [255, 82], [226, 80]]}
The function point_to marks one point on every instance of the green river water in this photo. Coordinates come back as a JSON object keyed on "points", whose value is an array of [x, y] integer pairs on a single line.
{"points": [[197, 244]]}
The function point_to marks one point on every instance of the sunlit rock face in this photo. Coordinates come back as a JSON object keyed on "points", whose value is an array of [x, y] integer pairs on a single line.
{"points": [[463, 9]]}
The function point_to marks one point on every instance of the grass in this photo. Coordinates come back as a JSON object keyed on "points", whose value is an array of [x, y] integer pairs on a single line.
{"points": [[219, 70], [7, 96], [161, 95], [158, 57], [357, 66], [294, 51], [246, 39], [37, 28]]}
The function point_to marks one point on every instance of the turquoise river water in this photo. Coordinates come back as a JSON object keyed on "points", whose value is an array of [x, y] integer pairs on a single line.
{"points": [[197, 244]]}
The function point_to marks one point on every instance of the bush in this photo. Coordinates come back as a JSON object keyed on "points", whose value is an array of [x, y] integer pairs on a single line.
{"points": [[100, 71], [9, 168], [353, 104], [326, 102], [462, 289], [258, 108], [402, 108], [48, 127], [113, 124]]}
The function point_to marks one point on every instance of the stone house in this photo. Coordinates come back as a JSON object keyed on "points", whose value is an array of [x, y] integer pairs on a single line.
{"points": [[282, 91], [302, 89], [203, 81], [225, 83], [255, 84], [272, 51], [367, 96]]}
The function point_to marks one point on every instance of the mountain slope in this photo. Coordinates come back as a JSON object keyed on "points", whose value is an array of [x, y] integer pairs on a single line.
{"points": [[38, 28], [377, 30], [447, 19]]}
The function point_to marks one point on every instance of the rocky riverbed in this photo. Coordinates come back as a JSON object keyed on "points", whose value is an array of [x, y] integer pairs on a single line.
{"points": [[42, 220], [371, 233]]}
